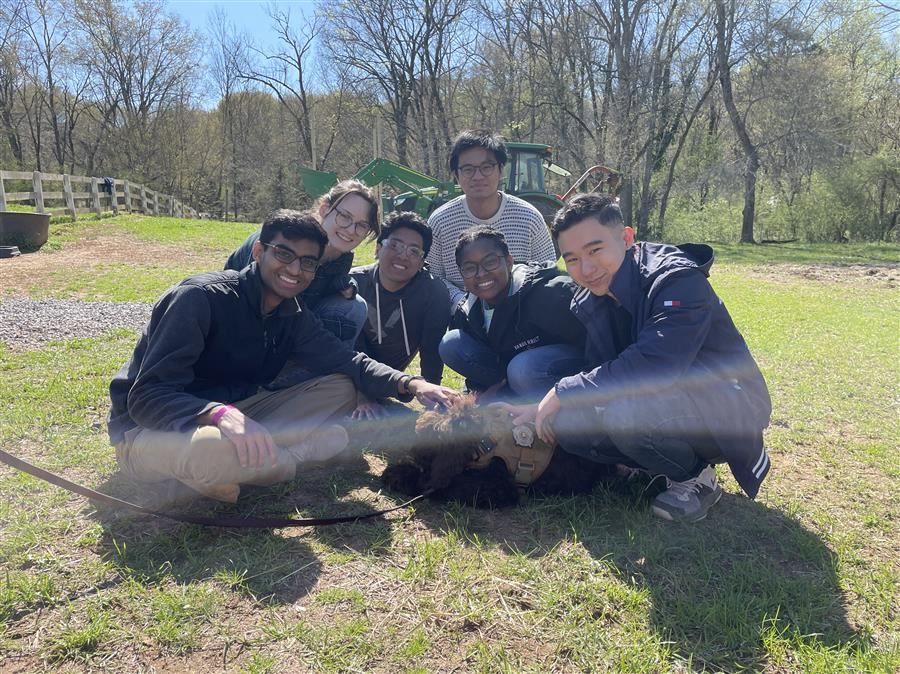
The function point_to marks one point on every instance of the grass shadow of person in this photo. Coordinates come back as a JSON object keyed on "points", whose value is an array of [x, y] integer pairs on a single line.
{"points": [[720, 589], [279, 566], [718, 593]]}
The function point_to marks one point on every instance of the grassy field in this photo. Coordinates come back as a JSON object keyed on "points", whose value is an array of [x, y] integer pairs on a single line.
{"points": [[804, 579]]}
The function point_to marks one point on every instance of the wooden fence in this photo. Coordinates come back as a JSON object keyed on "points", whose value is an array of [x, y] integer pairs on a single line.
{"points": [[94, 196]]}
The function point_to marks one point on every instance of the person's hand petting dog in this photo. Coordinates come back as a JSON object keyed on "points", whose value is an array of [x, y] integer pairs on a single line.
{"points": [[541, 414], [432, 395]]}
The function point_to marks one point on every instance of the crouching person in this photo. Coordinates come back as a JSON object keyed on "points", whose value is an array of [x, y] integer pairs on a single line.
{"points": [[408, 307], [670, 386], [189, 404], [513, 332]]}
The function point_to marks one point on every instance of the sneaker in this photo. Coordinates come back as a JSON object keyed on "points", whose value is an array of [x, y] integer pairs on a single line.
{"points": [[321, 445], [689, 501]]}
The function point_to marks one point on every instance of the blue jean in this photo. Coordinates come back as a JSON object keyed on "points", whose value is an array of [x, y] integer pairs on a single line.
{"points": [[342, 317], [345, 318], [663, 432], [530, 374]]}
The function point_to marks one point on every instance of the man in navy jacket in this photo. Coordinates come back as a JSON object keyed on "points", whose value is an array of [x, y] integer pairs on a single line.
{"points": [[670, 386]]}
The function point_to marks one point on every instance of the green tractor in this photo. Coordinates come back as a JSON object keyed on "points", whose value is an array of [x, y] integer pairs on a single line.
{"points": [[524, 175]]}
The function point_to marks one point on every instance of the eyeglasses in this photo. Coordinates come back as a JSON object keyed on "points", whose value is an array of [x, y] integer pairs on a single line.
{"points": [[286, 256], [403, 248], [485, 169], [488, 263], [344, 220]]}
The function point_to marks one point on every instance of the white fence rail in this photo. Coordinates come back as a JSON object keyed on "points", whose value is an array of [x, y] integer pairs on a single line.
{"points": [[92, 196]]}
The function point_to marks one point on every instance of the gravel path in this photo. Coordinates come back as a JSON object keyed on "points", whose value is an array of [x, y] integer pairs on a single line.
{"points": [[29, 324]]}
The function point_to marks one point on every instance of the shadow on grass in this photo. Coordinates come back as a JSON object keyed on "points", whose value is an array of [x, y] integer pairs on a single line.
{"points": [[717, 589], [276, 566]]}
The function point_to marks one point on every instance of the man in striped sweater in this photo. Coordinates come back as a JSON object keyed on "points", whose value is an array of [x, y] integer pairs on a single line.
{"points": [[476, 161]]}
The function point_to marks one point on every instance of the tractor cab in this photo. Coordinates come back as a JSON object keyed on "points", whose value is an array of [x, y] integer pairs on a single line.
{"points": [[524, 171]]}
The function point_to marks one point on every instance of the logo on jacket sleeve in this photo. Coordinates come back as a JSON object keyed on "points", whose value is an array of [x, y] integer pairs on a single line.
{"points": [[672, 303]]}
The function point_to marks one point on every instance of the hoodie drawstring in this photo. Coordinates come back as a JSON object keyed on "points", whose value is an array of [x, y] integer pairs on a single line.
{"points": [[378, 318], [378, 310], [403, 321]]}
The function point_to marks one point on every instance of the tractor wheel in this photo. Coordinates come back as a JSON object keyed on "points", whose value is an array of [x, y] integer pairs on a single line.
{"points": [[547, 206]]}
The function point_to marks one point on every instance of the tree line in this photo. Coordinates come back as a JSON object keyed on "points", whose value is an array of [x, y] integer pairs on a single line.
{"points": [[753, 121]]}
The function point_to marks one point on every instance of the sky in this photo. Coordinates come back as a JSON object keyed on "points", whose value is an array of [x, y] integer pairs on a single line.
{"points": [[249, 16]]}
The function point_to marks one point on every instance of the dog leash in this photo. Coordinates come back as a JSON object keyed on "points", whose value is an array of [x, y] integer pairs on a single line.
{"points": [[229, 521]]}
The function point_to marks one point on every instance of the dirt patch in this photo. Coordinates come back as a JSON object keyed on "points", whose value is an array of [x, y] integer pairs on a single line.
{"points": [[883, 275], [19, 274]]}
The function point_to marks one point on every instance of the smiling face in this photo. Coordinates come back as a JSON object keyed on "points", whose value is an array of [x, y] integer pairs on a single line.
{"points": [[488, 285], [346, 222], [283, 281], [397, 264], [485, 179], [594, 252]]}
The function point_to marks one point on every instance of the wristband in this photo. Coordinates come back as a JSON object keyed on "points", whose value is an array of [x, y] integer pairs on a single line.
{"points": [[407, 380], [216, 416]]}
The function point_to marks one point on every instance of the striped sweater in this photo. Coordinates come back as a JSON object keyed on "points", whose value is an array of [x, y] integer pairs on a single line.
{"points": [[523, 226]]}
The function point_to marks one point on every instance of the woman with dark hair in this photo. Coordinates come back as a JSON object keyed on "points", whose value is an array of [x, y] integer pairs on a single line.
{"points": [[514, 328]]}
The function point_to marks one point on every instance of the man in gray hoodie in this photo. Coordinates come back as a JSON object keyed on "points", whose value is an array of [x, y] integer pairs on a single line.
{"points": [[408, 307]]}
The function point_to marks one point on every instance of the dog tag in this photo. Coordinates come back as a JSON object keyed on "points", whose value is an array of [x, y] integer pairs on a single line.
{"points": [[523, 436]]}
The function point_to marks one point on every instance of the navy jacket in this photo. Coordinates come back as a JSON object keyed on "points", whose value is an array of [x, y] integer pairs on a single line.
{"points": [[208, 342], [680, 335], [536, 313], [331, 277]]}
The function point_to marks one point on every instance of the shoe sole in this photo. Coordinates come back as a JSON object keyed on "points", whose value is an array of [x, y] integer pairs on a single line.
{"points": [[666, 515]]}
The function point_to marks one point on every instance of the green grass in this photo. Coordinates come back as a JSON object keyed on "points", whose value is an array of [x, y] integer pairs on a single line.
{"points": [[805, 579]]}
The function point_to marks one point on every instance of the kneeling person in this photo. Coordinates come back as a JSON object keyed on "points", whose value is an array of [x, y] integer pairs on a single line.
{"points": [[514, 328], [189, 404]]}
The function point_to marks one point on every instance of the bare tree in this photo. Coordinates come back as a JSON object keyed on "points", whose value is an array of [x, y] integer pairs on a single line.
{"points": [[10, 73], [380, 42], [285, 71], [144, 56]]}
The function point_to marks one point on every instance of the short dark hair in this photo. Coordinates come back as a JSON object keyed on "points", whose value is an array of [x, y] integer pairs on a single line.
{"points": [[466, 140], [293, 226], [359, 188], [477, 233], [603, 208], [407, 220]]}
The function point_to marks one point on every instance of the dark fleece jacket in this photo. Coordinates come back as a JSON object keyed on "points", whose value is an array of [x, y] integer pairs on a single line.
{"points": [[208, 342], [535, 313]]}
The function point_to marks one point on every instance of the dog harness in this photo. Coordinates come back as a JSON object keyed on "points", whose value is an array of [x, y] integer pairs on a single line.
{"points": [[526, 456]]}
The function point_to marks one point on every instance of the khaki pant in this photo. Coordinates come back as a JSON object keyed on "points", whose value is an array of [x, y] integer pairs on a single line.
{"points": [[207, 461]]}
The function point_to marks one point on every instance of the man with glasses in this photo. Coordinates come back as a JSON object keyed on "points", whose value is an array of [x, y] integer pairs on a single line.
{"points": [[190, 405], [476, 161], [408, 307]]}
